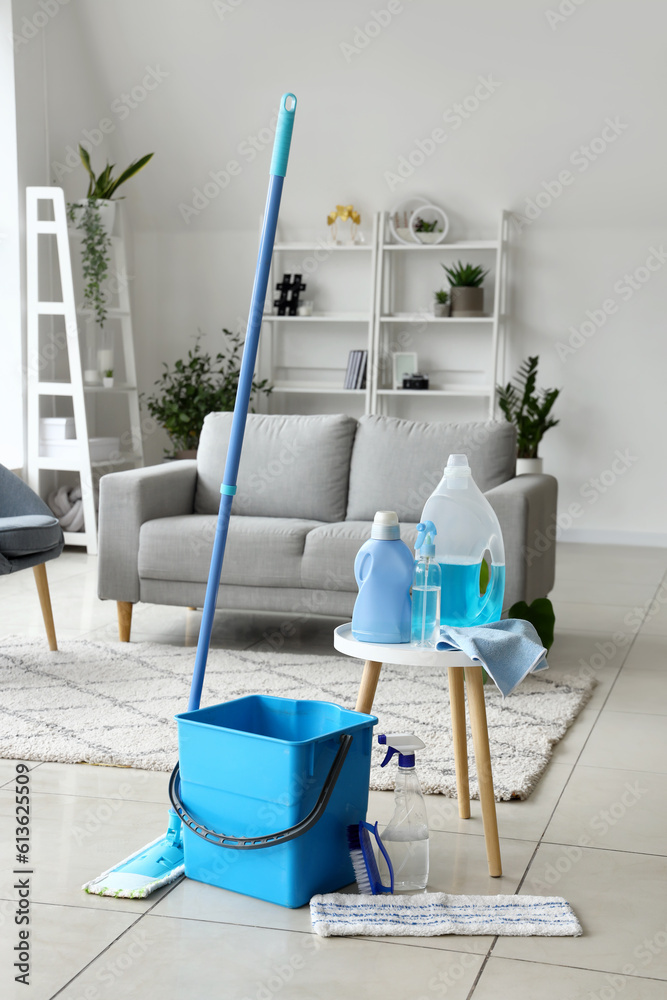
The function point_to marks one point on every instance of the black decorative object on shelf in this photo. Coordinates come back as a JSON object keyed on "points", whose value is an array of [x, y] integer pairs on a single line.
{"points": [[288, 303], [415, 381]]}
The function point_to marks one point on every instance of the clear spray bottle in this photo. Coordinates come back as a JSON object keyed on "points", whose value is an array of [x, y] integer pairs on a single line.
{"points": [[426, 579], [406, 835]]}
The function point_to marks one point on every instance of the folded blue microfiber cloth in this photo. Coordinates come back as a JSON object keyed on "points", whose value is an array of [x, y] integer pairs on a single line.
{"points": [[508, 650]]}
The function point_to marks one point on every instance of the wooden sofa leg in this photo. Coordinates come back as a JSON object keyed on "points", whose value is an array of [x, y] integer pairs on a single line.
{"points": [[42, 582], [124, 620]]}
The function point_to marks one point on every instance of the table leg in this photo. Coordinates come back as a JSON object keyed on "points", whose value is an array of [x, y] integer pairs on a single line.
{"points": [[480, 739], [458, 710], [369, 682]]}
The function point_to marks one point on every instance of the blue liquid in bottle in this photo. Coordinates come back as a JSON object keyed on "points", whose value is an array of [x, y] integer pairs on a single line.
{"points": [[461, 603]]}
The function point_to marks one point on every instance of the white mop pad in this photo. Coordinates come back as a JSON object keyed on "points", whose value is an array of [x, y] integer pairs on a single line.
{"points": [[432, 913]]}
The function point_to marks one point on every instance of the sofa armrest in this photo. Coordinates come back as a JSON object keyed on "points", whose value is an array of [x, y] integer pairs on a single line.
{"points": [[127, 499], [526, 507]]}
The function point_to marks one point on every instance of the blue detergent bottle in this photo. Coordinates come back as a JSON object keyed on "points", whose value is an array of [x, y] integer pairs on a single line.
{"points": [[467, 530], [383, 571]]}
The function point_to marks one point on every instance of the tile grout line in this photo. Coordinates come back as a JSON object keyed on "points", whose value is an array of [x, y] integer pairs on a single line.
{"points": [[117, 938], [541, 840]]}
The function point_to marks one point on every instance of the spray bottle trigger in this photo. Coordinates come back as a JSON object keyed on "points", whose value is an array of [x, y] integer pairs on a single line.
{"points": [[390, 753]]}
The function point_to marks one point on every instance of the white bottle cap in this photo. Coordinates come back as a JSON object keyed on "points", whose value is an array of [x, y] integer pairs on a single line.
{"points": [[385, 517], [457, 465]]}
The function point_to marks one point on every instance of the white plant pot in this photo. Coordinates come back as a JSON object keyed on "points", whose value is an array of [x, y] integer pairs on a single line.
{"points": [[107, 382], [528, 466], [441, 309], [107, 210]]}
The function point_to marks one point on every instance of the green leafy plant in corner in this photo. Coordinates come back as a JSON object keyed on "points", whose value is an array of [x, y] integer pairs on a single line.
{"points": [[108, 373], [541, 615], [96, 240], [94, 258], [527, 407], [196, 386], [442, 296], [467, 275], [104, 185]]}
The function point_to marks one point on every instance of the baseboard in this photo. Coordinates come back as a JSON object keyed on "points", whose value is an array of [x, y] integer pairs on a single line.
{"points": [[590, 536]]}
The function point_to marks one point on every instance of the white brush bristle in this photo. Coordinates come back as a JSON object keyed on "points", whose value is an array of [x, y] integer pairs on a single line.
{"points": [[360, 872]]}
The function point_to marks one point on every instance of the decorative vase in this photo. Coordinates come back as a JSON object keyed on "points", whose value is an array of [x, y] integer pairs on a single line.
{"points": [[441, 309], [528, 466], [106, 209], [187, 453], [467, 300], [105, 345]]}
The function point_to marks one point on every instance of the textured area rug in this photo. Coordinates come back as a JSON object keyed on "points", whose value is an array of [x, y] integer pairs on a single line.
{"points": [[114, 703]]}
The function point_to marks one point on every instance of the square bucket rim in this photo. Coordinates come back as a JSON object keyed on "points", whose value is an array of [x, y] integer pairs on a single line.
{"points": [[364, 719]]}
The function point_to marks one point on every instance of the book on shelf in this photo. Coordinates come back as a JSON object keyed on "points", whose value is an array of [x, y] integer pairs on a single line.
{"points": [[351, 358], [361, 379], [355, 375]]}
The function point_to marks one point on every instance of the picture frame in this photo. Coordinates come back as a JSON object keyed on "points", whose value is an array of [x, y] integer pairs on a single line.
{"points": [[403, 363]]}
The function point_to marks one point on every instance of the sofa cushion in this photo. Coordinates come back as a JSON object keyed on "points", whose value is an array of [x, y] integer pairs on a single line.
{"points": [[291, 466], [328, 559], [396, 464], [260, 551]]}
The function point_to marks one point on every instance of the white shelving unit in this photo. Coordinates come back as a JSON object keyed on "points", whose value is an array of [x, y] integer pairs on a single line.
{"points": [[393, 286], [43, 393], [389, 288], [331, 333]]}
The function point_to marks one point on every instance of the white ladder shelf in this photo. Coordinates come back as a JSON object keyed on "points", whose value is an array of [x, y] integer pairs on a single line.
{"points": [[80, 462]]}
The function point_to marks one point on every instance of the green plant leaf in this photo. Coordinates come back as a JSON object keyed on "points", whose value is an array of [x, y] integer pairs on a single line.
{"points": [[133, 169], [541, 615]]}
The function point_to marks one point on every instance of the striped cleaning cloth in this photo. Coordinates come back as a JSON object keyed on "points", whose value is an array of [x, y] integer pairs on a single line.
{"points": [[432, 913]]}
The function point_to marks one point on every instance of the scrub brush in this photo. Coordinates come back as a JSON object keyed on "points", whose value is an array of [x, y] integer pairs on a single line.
{"points": [[363, 859]]}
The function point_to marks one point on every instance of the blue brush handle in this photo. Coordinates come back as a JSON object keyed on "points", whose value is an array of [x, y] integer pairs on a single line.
{"points": [[247, 371], [283, 137], [376, 833]]}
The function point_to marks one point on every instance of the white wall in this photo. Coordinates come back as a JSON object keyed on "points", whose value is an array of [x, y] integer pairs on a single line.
{"points": [[11, 373], [366, 99]]}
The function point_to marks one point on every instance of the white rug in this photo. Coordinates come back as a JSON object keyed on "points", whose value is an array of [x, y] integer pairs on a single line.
{"points": [[113, 703]]}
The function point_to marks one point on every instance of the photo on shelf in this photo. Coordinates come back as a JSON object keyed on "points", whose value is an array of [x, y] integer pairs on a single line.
{"points": [[404, 363]]}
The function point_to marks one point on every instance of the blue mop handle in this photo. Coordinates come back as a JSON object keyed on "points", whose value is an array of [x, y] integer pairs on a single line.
{"points": [[281, 146]]}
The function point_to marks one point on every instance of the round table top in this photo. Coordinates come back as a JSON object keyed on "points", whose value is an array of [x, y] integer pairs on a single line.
{"points": [[397, 652]]}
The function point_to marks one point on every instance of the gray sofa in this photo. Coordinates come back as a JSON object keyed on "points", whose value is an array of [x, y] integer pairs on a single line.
{"points": [[308, 489]]}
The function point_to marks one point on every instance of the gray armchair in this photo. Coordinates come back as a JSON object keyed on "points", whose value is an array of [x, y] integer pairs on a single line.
{"points": [[29, 536]]}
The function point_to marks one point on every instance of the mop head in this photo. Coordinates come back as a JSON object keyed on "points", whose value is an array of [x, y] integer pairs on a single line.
{"points": [[433, 913], [155, 865]]}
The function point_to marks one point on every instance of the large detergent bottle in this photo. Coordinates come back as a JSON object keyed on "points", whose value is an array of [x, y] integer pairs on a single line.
{"points": [[467, 529], [383, 571]]}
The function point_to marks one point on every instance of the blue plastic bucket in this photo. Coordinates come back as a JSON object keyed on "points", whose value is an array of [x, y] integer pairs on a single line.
{"points": [[255, 766]]}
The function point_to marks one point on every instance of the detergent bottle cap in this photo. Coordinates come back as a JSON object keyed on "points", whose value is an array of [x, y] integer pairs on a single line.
{"points": [[425, 544], [457, 465], [457, 472], [385, 525], [404, 744]]}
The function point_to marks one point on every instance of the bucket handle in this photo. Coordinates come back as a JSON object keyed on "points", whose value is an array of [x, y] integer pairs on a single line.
{"points": [[270, 839]]}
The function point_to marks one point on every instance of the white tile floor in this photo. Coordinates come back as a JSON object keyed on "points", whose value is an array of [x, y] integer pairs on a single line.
{"points": [[595, 831]]}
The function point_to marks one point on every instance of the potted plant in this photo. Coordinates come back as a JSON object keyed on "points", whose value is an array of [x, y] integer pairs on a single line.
{"points": [[441, 305], [107, 378], [94, 217], [101, 189], [467, 294], [198, 385], [426, 232], [529, 410]]}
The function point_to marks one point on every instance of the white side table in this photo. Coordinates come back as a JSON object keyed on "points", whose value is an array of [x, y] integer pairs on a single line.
{"points": [[458, 665]]}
